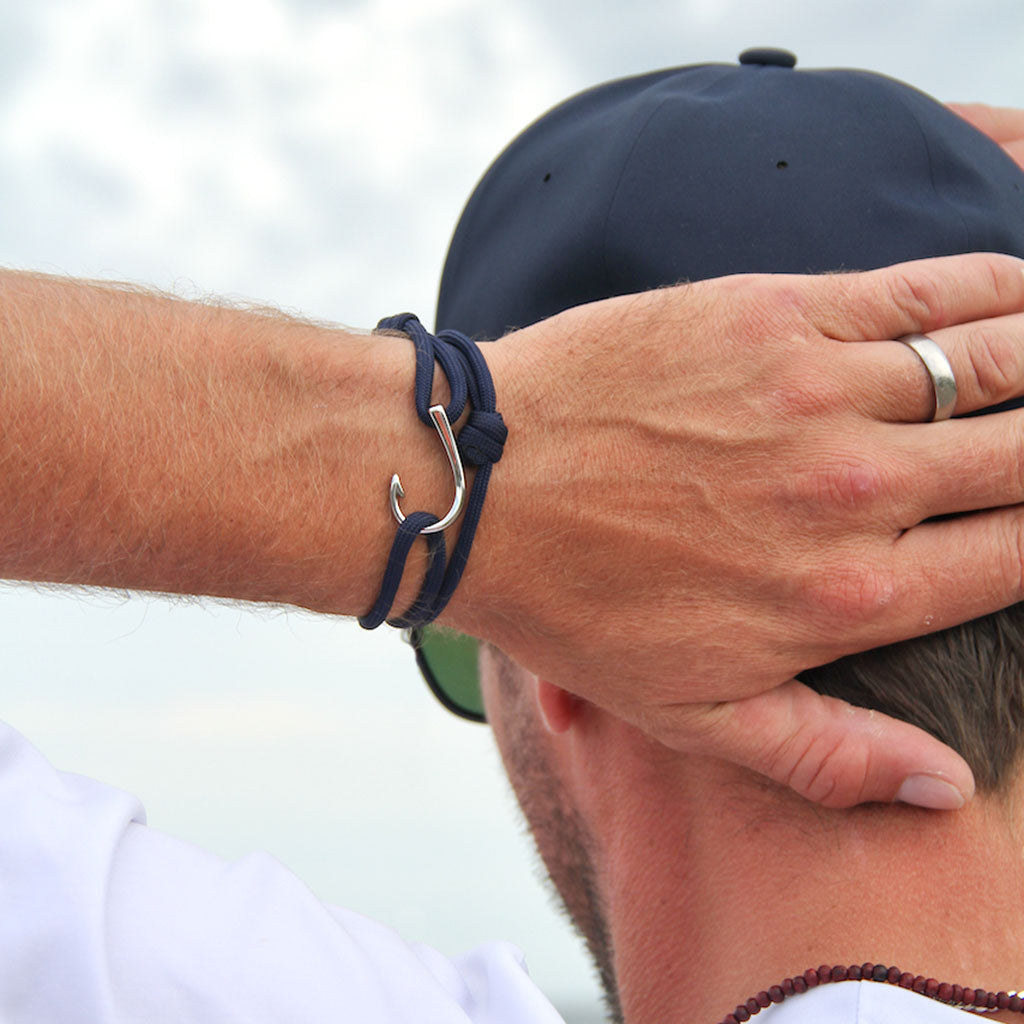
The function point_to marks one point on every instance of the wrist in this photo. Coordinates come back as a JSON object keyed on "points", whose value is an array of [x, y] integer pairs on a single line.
{"points": [[479, 443], [397, 442], [483, 603], [335, 420]]}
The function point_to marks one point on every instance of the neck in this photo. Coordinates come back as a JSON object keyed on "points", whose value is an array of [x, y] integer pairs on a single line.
{"points": [[742, 886]]}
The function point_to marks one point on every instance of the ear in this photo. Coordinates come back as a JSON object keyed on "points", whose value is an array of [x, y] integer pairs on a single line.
{"points": [[557, 707]]}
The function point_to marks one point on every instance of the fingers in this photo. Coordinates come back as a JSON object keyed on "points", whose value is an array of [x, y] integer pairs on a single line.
{"points": [[954, 570], [1001, 124], [932, 576], [961, 466], [1015, 151], [915, 297], [890, 381], [1004, 125], [829, 752]]}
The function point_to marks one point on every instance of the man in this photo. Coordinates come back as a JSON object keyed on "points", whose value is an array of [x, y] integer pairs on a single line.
{"points": [[698, 886], [156, 444]]}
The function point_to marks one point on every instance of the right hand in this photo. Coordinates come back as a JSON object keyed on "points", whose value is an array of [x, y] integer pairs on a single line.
{"points": [[708, 489]]}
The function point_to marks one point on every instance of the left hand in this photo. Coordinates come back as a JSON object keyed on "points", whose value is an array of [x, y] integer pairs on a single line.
{"points": [[1004, 125]]}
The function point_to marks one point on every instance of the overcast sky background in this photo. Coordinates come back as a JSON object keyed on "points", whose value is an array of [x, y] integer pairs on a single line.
{"points": [[315, 155]]}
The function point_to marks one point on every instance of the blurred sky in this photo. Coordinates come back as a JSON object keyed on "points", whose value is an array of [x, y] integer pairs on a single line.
{"points": [[315, 155]]}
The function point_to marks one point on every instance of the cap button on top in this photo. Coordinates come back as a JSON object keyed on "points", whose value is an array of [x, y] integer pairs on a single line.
{"points": [[766, 55]]}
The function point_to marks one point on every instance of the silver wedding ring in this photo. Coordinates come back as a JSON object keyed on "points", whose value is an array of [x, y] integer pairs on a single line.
{"points": [[941, 373]]}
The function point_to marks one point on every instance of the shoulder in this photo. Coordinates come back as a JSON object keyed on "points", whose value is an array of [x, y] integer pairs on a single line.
{"points": [[116, 923]]}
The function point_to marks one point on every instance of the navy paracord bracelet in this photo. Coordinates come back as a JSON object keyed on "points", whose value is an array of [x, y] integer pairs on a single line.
{"points": [[480, 443]]}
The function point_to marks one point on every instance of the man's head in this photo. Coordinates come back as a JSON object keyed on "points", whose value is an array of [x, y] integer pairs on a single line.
{"points": [[689, 174], [698, 172]]}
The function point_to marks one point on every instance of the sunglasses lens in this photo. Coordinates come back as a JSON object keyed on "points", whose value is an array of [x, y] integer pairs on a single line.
{"points": [[448, 661]]}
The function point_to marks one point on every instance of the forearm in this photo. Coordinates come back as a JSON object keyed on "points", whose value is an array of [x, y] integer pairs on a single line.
{"points": [[155, 444], [705, 490]]}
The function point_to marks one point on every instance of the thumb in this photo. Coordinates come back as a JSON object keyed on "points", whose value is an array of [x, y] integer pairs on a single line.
{"points": [[833, 753]]}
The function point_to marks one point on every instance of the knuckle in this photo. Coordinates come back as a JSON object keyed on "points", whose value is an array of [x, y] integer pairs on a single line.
{"points": [[995, 362], [825, 769], [706, 727], [806, 388], [799, 399], [1016, 460], [804, 764], [916, 296], [771, 304], [844, 483], [1005, 277], [814, 777], [1005, 465], [1014, 572], [852, 593], [837, 781]]}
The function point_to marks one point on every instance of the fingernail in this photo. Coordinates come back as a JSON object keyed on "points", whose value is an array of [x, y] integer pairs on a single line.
{"points": [[930, 791]]}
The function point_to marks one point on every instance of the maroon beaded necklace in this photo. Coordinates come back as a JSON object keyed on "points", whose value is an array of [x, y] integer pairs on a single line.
{"points": [[974, 1000]]}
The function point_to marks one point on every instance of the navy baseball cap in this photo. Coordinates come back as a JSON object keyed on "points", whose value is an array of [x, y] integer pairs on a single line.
{"points": [[698, 172], [703, 171]]}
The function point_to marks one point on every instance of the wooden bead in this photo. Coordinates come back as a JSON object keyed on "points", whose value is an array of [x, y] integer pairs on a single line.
{"points": [[958, 995]]}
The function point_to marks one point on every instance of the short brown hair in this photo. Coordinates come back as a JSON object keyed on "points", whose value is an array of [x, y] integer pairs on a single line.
{"points": [[964, 685]]}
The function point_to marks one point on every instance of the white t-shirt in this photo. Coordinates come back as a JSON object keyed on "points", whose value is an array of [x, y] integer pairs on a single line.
{"points": [[106, 921]]}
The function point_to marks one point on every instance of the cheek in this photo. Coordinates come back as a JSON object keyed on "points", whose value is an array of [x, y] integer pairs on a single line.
{"points": [[514, 717]]}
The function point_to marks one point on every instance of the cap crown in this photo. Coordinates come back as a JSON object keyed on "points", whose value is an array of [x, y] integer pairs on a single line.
{"points": [[703, 171]]}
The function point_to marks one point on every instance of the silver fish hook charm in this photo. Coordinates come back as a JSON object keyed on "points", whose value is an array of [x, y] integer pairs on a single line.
{"points": [[444, 429]]}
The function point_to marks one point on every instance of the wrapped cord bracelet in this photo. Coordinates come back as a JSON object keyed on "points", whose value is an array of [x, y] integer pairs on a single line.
{"points": [[480, 443]]}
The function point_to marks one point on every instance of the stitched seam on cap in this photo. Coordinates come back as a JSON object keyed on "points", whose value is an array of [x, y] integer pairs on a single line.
{"points": [[726, 70], [965, 231]]}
